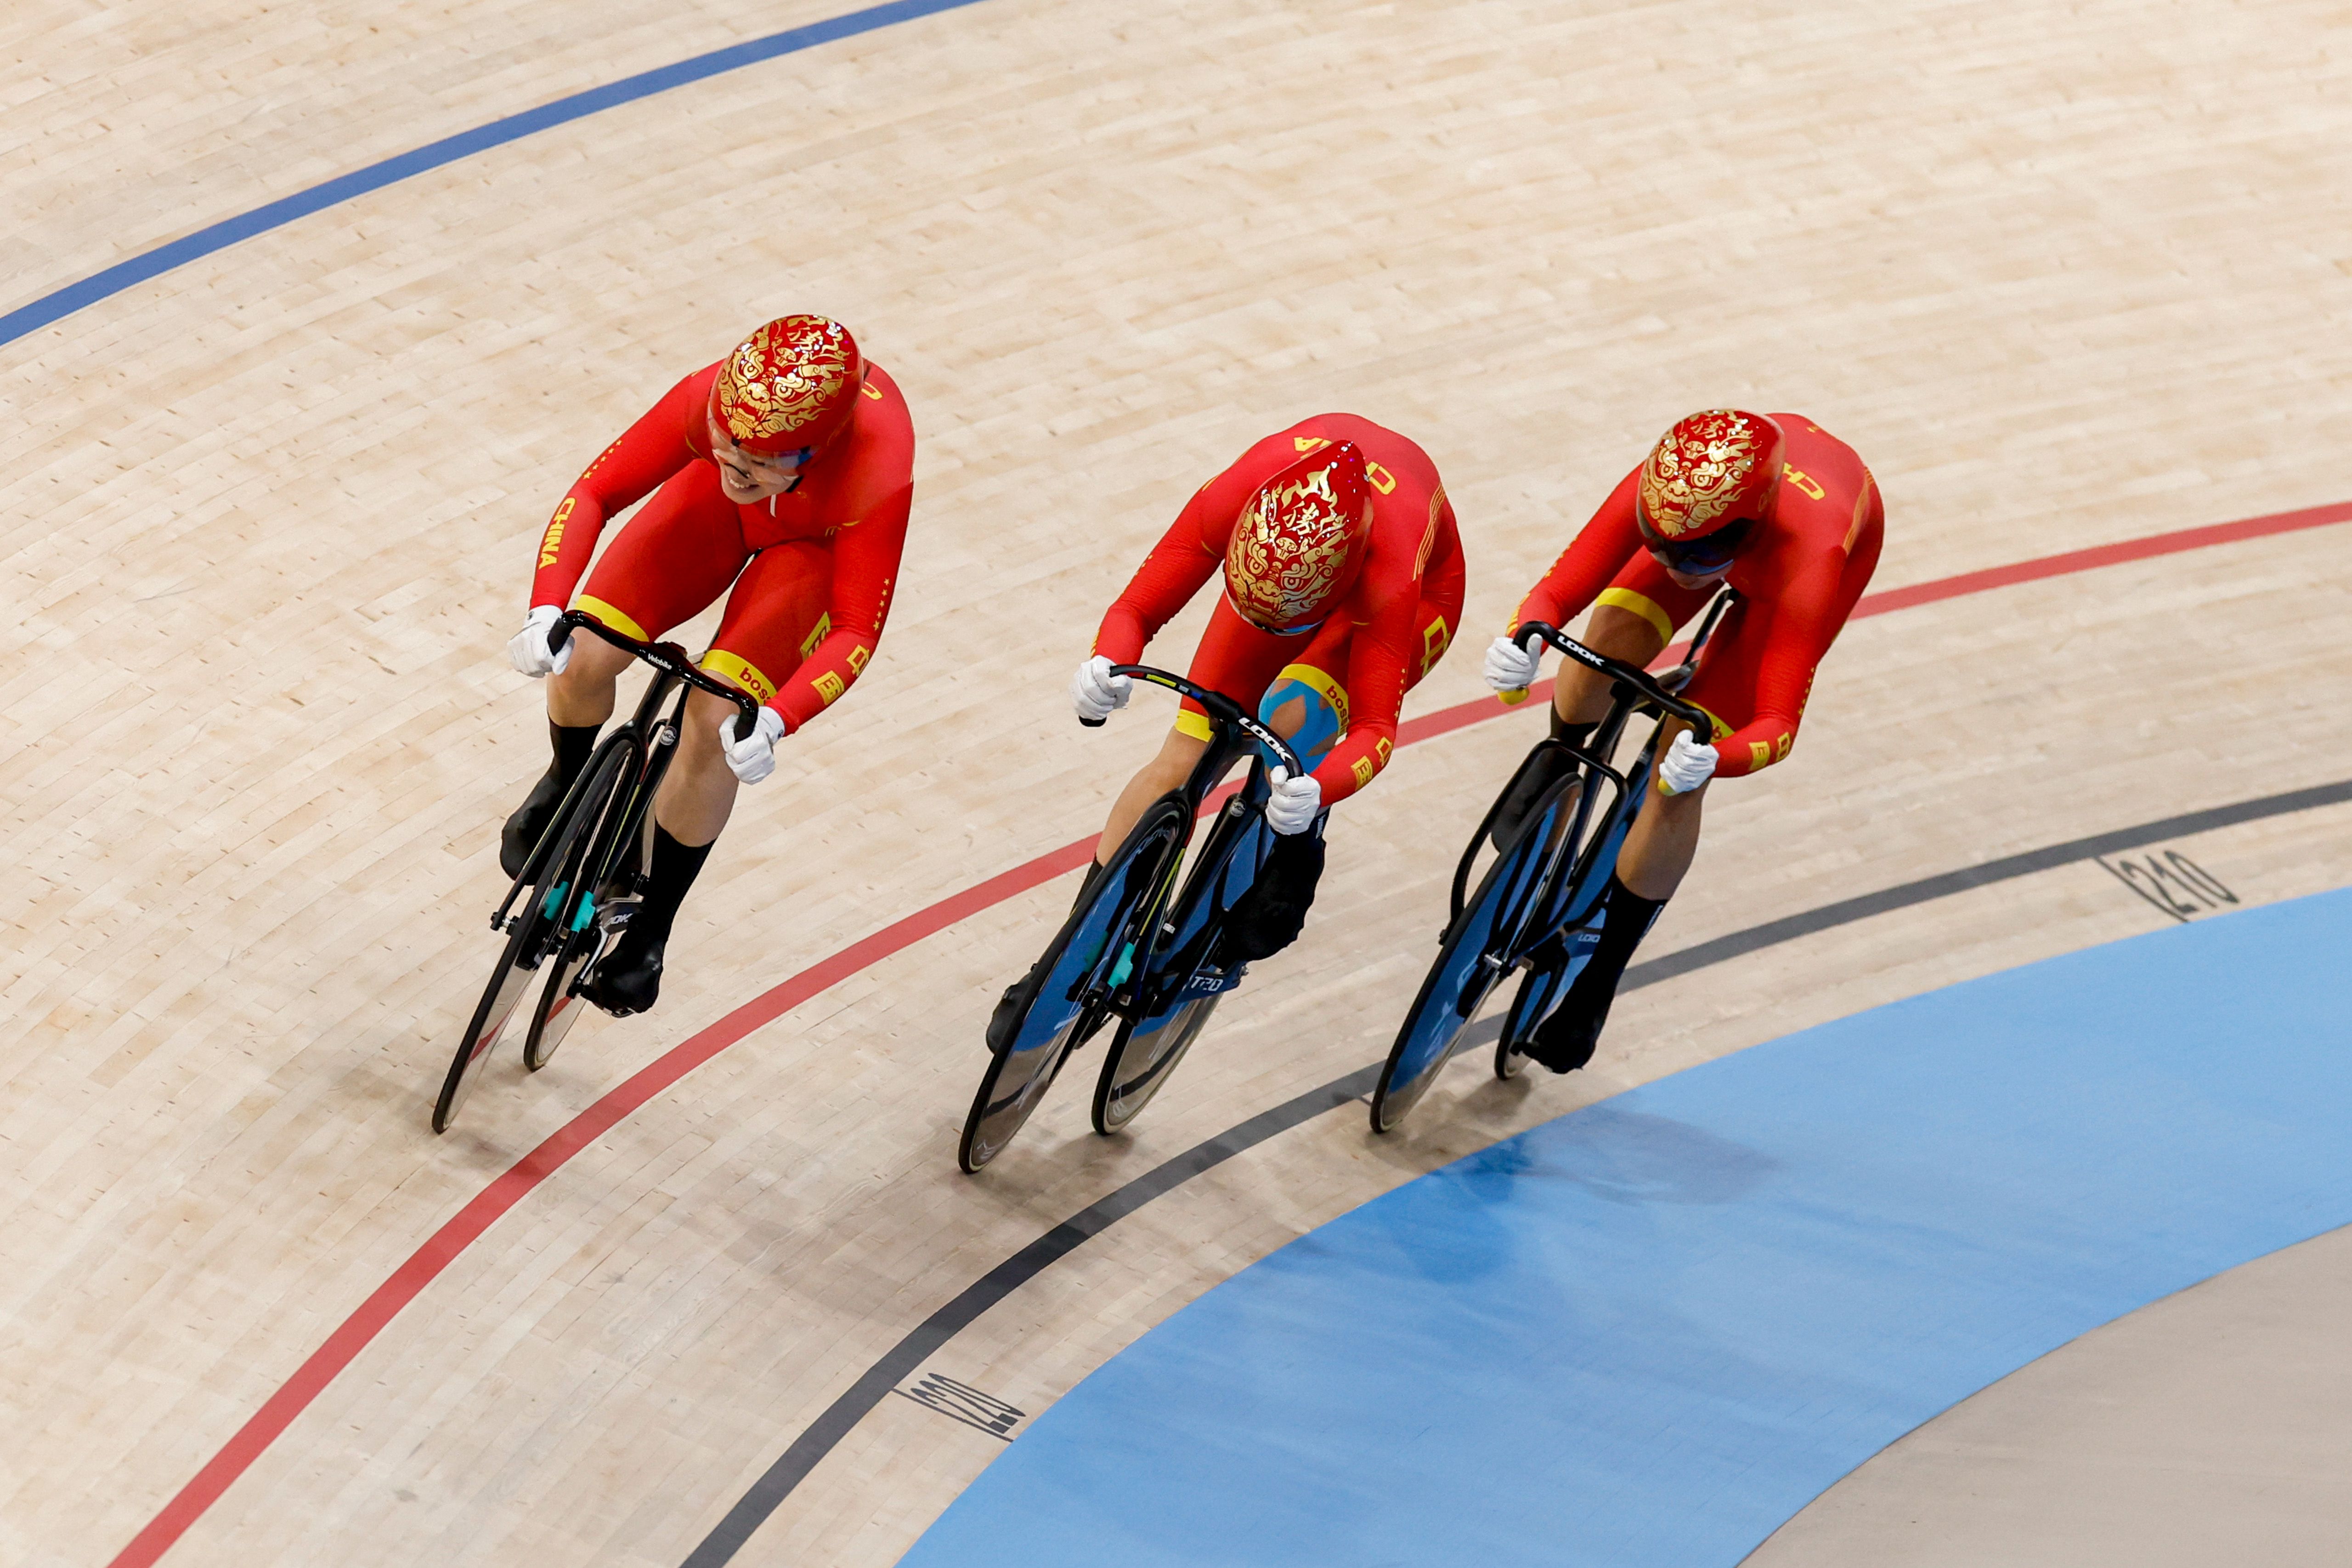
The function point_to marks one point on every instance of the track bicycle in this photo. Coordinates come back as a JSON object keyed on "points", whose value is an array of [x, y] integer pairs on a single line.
{"points": [[1538, 906], [1135, 949], [585, 875]]}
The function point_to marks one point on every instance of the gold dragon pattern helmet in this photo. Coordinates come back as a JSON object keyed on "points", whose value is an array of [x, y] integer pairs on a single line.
{"points": [[1711, 470], [790, 384], [1301, 539]]}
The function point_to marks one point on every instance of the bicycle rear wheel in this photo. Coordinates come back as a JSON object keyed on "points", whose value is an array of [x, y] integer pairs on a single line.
{"points": [[1180, 989], [1470, 964], [1574, 903], [1142, 1058], [1540, 992], [1087, 959], [532, 933]]}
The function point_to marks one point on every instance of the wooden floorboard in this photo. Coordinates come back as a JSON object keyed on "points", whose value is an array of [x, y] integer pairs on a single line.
{"points": [[2063, 276]]}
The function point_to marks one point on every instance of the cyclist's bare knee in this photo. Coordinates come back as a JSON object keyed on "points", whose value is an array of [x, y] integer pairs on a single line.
{"points": [[1286, 720], [699, 792], [1166, 770], [581, 693], [700, 740], [1178, 754]]}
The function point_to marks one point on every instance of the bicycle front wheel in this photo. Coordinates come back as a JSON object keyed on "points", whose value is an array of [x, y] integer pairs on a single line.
{"points": [[532, 933], [509, 979], [1091, 956], [1471, 960]]}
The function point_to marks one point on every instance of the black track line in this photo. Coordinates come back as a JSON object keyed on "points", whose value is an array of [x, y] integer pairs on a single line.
{"points": [[813, 1444]]}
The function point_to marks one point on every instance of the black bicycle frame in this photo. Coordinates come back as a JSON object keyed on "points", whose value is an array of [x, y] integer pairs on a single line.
{"points": [[1632, 691], [650, 749], [1231, 725], [1233, 728]]}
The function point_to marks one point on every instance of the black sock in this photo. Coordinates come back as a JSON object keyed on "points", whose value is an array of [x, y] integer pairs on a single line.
{"points": [[573, 745], [1574, 734], [674, 869], [1095, 870], [1630, 916], [1546, 768]]}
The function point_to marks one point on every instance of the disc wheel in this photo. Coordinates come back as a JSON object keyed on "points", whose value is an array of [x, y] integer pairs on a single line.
{"points": [[527, 939], [1142, 1058], [1468, 966], [1550, 973], [1089, 956]]}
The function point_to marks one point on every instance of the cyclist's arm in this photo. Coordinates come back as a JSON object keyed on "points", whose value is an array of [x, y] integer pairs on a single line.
{"points": [[659, 445], [865, 568], [1804, 624], [1187, 555], [1592, 558]]}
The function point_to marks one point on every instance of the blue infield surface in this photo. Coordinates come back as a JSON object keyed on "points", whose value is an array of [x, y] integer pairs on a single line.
{"points": [[1650, 1331]]}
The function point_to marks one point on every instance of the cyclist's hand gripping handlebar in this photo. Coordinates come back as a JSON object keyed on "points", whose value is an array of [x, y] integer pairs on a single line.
{"points": [[666, 657], [1638, 681], [1223, 711]]}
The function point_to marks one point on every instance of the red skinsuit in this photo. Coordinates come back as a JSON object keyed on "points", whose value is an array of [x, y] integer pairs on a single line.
{"points": [[811, 570], [1799, 579], [1372, 648]]}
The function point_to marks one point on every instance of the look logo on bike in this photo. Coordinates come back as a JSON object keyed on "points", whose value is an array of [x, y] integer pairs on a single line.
{"points": [[781, 477], [1785, 512], [1342, 577]]}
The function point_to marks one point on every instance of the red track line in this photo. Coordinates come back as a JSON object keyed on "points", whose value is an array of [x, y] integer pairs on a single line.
{"points": [[462, 1229]]}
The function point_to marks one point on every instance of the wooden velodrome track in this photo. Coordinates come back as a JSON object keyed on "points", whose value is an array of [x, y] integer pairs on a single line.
{"points": [[2066, 276]]}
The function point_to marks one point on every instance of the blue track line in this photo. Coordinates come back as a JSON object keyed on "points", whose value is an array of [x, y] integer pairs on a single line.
{"points": [[203, 242], [1646, 1334]]}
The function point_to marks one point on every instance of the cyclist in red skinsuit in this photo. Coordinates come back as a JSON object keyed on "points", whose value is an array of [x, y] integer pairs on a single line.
{"points": [[1796, 531], [1342, 576], [781, 477], [1332, 687]]}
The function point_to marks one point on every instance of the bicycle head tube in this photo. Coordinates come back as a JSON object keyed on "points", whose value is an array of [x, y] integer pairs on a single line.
{"points": [[668, 657], [1224, 714], [1643, 685]]}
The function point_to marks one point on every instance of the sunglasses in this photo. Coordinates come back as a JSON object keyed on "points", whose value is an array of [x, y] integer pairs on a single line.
{"points": [[1704, 556]]}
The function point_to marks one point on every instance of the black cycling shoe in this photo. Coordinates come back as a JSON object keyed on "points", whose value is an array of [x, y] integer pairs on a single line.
{"points": [[1566, 1041], [1011, 1007], [629, 977], [521, 835]]}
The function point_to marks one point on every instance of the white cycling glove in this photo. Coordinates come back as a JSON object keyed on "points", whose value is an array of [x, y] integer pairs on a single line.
{"points": [[529, 649], [1292, 806], [1509, 667], [1096, 693], [1687, 765], [753, 757]]}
